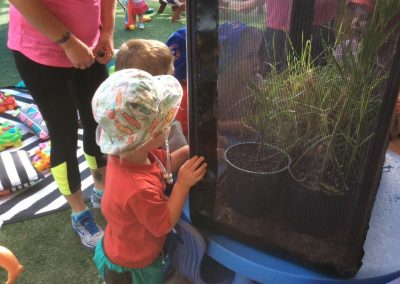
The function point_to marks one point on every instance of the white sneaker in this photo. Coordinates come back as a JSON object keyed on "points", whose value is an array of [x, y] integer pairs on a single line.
{"points": [[96, 199], [141, 26], [85, 226]]}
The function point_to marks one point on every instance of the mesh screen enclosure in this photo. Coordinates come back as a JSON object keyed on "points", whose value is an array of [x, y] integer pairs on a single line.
{"points": [[290, 103]]}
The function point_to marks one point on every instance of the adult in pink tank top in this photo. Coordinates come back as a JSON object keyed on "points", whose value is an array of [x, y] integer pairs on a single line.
{"points": [[60, 50]]}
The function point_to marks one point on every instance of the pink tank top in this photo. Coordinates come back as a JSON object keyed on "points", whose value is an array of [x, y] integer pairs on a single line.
{"points": [[81, 17]]}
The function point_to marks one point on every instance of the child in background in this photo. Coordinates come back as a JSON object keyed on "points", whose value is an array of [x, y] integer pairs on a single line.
{"points": [[177, 8], [148, 55], [139, 8], [239, 67], [156, 58], [177, 44], [362, 13], [134, 111]]}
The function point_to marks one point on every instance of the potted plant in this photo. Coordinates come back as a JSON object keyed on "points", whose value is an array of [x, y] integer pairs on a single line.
{"points": [[255, 169], [337, 111]]}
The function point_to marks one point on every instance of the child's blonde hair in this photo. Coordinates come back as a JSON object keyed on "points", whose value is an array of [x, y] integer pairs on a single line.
{"points": [[149, 55]]}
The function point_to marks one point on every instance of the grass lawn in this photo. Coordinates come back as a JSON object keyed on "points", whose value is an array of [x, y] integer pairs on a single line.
{"points": [[46, 246]]}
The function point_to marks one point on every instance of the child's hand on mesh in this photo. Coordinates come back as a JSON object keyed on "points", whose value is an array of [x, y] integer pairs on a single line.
{"points": [[191, 172]]}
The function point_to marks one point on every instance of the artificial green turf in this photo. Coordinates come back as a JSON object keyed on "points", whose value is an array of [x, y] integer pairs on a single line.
{"points": [[8, 72], [46, 246], [49, 251]]}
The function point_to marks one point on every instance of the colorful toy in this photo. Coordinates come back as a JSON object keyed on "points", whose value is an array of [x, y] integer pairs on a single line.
{"points": [[10, 263], [10, 136], [41, 159], [31, 117], [7, 102]]}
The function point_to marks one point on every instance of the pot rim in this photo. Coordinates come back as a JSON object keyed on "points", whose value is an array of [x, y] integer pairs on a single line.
{"points": [[315, 189], [257, 173]]}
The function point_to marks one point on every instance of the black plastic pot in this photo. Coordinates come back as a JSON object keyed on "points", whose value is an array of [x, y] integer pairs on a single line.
{"points": [[254, 194], [311, 210]]}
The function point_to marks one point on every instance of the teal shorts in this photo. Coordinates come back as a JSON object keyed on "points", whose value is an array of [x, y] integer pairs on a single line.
{"points": [[149, 274]]}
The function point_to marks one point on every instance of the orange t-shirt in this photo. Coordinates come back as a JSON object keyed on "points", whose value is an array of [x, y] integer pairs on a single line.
{"points": [[136, 211], [182, 115]]}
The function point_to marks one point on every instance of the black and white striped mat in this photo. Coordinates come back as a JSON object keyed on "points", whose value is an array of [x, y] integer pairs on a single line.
{"points": [[42, 198]]}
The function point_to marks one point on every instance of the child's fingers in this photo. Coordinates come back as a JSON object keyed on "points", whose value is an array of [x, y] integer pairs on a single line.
{"points": [[196, 163], [190, 162], [200, 171]]}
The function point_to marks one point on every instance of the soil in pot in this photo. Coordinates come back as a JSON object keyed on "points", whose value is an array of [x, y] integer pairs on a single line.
{"points": [[313, 210], [254, 175]]}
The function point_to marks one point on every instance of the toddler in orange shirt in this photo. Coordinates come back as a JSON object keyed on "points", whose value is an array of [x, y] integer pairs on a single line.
{"points": [[134, 111]]}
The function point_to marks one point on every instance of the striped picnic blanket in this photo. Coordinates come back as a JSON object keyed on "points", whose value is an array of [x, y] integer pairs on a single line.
{"points": [[43, 197]]}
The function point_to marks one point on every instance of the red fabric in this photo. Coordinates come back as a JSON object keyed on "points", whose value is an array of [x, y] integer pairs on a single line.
{"points": [[138, 8], [366, 3], [134, 9], [136, 211], [279, 13], [182, 115]]}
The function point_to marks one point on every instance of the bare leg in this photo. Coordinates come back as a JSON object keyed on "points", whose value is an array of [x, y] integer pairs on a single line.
{"points": [[98, 178], [176, 12]]}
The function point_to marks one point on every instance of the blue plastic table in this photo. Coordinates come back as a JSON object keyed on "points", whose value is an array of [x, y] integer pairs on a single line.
{"points": [[381, 262]]}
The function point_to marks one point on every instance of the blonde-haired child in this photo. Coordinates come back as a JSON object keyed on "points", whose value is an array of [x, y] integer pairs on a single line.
{"points": [[149, 55], [156, 58], [134, 111]]}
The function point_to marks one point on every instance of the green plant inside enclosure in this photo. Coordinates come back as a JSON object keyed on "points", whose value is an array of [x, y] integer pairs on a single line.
{"points": [[325, 117]]}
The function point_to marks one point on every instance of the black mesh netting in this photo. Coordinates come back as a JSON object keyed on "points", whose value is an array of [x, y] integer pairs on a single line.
{"points": [[303, 97]]}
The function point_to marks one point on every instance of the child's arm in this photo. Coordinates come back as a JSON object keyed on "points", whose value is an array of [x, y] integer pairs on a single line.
{"points": [[178, 157], [191, 172], [106, 39]]}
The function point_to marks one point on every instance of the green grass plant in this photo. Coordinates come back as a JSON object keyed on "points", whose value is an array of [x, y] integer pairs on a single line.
{"points": [[325, 117]]}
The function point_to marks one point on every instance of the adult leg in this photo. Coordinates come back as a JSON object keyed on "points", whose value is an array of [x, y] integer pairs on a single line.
{"points": [[51, 89], [163, 4], [87, 82], [274, 51], [323, 37], [176, 12]]}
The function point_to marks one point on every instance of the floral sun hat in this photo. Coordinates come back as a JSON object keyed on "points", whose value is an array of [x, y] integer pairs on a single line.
{"points": [[132, 106]]}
